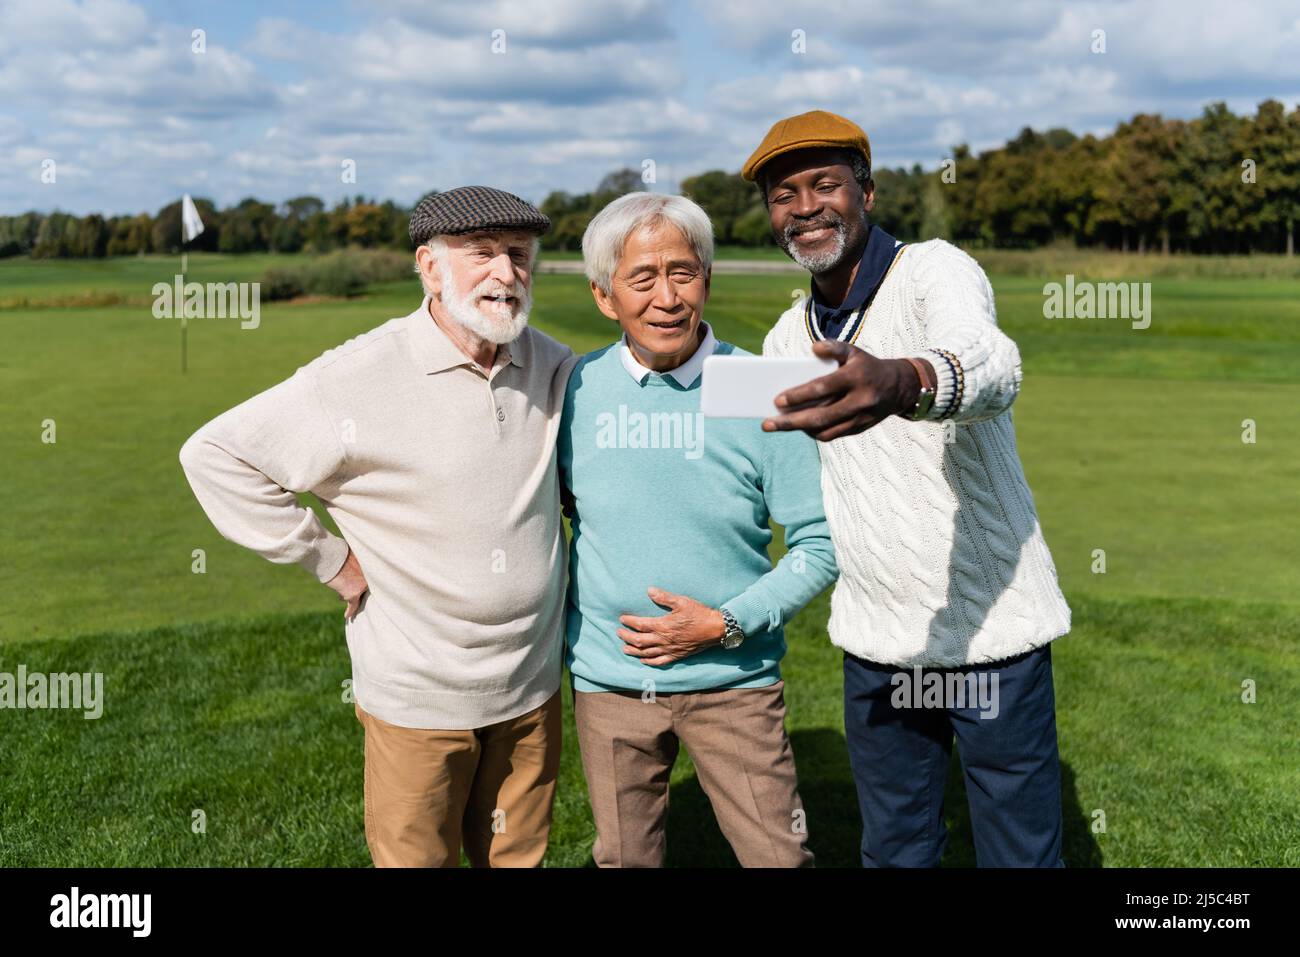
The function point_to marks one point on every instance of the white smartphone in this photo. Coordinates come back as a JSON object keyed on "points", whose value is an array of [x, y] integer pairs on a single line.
{"points": [[745, 387]]}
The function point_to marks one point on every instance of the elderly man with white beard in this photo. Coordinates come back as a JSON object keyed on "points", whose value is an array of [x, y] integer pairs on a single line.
{"points": [[430, 440]]}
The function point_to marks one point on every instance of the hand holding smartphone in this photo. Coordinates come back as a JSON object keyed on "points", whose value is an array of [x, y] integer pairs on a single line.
{"points": [[745, 387]]}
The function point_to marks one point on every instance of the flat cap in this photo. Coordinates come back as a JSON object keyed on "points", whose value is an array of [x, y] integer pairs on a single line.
{"points": [[470, 209], [806, 131]]}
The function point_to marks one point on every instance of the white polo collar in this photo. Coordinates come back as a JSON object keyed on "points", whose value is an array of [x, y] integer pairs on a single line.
{"points": [[685, 374]]}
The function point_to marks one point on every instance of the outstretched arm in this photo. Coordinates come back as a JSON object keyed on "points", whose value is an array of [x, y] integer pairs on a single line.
{"points": [[971, 364]]}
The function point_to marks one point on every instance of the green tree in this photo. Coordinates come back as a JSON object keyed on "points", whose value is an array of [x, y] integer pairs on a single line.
{"points": [[1137, 182], [1273, 144], [91, 237], [247, 227], [936, 223], [165, 231], [898, 201], [961, 192], [754, 228], [366, 225], [18, 233], [618, 183], [566, 232], [726, 197], [1206, 183], [55, 236]]}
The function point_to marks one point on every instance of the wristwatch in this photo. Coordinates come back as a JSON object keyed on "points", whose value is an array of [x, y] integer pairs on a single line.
{"points": [[924, 398], [733, 636]]}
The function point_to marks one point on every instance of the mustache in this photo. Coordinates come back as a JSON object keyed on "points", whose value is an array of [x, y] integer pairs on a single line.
{"points": [[491, 287], [826, 221]]}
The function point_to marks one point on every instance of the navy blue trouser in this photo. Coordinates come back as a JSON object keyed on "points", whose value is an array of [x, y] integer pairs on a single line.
{"points": [[900, 753]]}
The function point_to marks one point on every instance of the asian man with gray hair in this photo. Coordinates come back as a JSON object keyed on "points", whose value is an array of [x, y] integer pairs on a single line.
{"points": [[676, 615]]}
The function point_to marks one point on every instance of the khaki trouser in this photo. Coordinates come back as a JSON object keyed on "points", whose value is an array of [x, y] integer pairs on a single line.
{"points": [[736, 738], [490, 788]]}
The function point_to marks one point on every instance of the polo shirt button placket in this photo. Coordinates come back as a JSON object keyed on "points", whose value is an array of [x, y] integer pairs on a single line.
{"points": [[498, 413]]}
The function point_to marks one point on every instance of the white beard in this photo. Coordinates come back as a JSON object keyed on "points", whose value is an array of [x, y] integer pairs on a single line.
{"points": [[820, 262], [504, 326]]}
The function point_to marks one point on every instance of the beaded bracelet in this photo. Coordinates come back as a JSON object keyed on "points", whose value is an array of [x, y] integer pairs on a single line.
{"points": [[952, 370], [959, 384]]}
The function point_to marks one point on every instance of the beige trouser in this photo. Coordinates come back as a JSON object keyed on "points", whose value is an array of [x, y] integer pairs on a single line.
{"points": [[490, 788], [736, 738]]}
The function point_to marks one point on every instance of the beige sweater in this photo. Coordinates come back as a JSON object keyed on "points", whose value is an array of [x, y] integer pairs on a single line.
{"points": [[942, 560], [443, 482]]}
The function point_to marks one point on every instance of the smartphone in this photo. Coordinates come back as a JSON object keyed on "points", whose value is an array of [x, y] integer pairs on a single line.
{"points": [[746, 387]]}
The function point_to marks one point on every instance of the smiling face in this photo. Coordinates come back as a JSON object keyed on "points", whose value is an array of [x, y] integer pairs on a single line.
{"points": [[817, 209], [657, 295], [483, 280]]}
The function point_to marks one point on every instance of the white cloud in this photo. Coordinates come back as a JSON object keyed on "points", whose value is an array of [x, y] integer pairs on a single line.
{"points": [[135, 69], [412, 92], [560, 24]]}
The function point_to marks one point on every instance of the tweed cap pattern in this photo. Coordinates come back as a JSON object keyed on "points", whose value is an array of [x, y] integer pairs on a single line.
{"points": [[470, 209]]}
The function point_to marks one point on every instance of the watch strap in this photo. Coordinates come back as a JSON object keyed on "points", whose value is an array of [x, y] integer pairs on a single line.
{"points": [[925, 397], [733, 635]]}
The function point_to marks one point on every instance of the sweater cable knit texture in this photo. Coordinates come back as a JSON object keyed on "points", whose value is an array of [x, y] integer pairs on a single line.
{"points": [[942, 560]]}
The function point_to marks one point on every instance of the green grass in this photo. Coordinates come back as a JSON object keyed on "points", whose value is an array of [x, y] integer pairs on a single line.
{"points": [[224, 688], [1104, 265], [33, 283], [1056, 261], [248, 724]]}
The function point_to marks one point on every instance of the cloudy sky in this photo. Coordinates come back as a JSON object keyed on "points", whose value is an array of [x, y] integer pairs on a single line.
{"points": [[413, 93]]}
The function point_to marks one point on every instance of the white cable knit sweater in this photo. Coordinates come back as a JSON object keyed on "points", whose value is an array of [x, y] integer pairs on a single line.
{"points": [[942, 561]]}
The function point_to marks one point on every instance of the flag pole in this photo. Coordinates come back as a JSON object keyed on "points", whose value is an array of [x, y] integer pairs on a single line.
{"points": [[184, 324], [191, 226]]}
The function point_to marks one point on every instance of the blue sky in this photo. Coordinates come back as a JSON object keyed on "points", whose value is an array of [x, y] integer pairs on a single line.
{"points": [[411, 91]]}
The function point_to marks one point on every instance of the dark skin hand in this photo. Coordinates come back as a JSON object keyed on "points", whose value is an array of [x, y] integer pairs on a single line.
{"points": [[806, 189], [861, 393]]}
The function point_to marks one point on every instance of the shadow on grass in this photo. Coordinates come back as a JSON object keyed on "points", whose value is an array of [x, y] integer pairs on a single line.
{"points": [[835, 828]]}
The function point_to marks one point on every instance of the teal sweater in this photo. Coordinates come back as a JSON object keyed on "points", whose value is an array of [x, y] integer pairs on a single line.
{"points": [[663, 497]]}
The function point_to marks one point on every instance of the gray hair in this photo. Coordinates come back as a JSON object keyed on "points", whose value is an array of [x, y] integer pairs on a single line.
{"points": [[437, 245], [607, 233]]}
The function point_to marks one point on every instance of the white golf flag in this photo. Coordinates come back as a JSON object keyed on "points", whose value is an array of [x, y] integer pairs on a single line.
{"points": [[191, 221]]}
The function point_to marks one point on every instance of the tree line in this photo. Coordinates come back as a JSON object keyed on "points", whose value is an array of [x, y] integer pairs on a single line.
{"points": [[1219, 183], [301, 224]]}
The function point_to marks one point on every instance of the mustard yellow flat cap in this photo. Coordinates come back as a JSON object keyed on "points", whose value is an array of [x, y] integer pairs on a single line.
{"points": [[805, 131]]}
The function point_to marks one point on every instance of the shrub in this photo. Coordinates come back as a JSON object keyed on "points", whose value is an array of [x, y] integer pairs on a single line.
{"points": [[334, 275], [345, 272], [282, 282]]}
